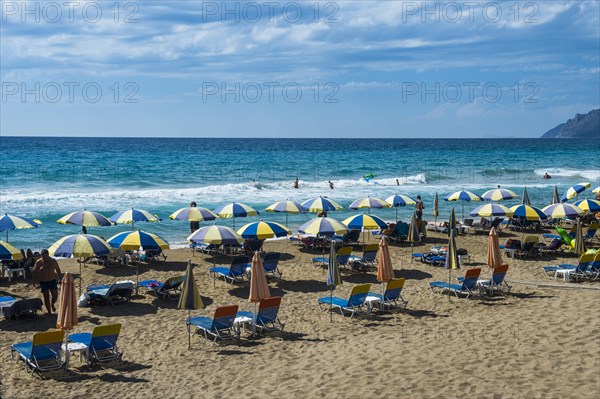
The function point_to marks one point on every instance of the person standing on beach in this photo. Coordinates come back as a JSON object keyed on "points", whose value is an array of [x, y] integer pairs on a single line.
{"points": [[46, 273], [397, 182], [194, 225], [419, 208], [296, 183]]}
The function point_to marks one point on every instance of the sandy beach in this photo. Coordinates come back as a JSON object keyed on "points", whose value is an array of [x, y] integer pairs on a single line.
{"points": [[536, 342]]}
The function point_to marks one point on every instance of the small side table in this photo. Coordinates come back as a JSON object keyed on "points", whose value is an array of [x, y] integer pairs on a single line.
{"points": [[241, 322], [74, 347], [371, 301]]}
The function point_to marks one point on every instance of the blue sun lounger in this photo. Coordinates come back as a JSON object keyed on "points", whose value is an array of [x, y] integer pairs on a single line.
{"points": [[235, 272], [168, 289], [43, 353], [266, 318], [271, 262], [220, 326], [466, 287], [352, 305], [496, 283], [101, 343], [566, 270], [392, 294]]}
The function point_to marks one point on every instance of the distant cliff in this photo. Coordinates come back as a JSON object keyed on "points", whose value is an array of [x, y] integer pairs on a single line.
{"points": [[580, 127]]}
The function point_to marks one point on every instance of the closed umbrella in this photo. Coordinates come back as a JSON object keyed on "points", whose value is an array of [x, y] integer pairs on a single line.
{"points": [[334, 278], [555, 196], [235, 210], [436, 211], [452, 223], [190, 298], [579, 245], [67, 308], [451, 259], [574, 191], [132, 215], [525, 199], [385, 271], [463, 196], [10, 222], [413, 234], [286, 206], [494, 257], [8, 252], [398, 200], [259, 288]]}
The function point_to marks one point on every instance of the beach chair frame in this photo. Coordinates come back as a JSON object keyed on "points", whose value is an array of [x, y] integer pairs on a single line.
{"points": [[353, 305], [221, 324], [43, 353]]}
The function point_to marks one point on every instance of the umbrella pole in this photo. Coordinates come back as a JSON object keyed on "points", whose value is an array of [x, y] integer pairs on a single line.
{"points": [[80, 280], [137, 276], [254, 321], [463, 211], [331, 305], [396, 215], [449, 279], [189, 331]]}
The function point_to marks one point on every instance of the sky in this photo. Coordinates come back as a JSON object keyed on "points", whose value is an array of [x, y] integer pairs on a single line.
{"points": [[296, 69]]}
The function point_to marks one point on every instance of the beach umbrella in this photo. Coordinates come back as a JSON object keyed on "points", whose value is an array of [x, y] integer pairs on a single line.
{"points": [[8, 252], [451, 259], [85, 218], [10, 222], [579, 245], [574, 191], [321, 204], [413, 233], [263, 230], [562, 210], [194, 214], [365, 222], [528, 212], [436, 211], [463, 196], [555, 196], [190, 298], [235, 210], [216, 235], [79, 246], [499, 194], [368, 203], [494, 257], [385, 270], [398, 200], [132, 215], [325, 226], [259, 288], [491, 210], [596, 190], [67, 308], [452, 223], [286, 206], [588, 205], [525, 198], [334, 278]]}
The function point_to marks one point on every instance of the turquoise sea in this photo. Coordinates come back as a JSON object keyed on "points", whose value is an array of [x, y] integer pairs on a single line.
{"points": [[46, 178]]}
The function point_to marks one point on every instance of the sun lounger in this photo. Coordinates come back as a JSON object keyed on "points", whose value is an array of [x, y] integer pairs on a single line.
{"points": [[497, 283], [271, 263], [528, 248], [169, 289], [591, 232], [352, 305], [466, 287], [119, 292], [368, 257], [392, 297], [432, 258], [101, 343], [342, 256], [233, 273], [23, 307], [266, 318], [43, 353], [567, 270], [220, 326]]}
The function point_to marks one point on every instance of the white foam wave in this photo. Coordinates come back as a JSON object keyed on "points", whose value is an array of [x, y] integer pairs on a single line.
{"points": [[586, 174]]}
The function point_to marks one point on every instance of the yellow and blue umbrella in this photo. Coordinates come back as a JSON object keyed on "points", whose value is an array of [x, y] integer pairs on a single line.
{"points": [[216, 235], [263, 230], [132, 215], [555, 196], [596, 190], [10, 222], [235, 210], [398, 200], [8, 252], [365, 222], [321, 204], [134, 240], [369, 202], [574, 191], [194, 214], [190, 298], [463, 196], [499, 194], [525, 199], [562, 210], [85, 218], [323, 227], [490, 210], [286, 206], [588, 205], [528, 212]]}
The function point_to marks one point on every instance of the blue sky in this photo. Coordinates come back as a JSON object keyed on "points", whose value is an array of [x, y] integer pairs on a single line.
{"points": [[257, 69]]}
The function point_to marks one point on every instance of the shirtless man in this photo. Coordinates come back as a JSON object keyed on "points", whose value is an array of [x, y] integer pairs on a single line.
{"points": [[47, 273]]}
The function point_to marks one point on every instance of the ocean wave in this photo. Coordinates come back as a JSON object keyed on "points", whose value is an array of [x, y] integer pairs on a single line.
{"points": [[586, 174]]}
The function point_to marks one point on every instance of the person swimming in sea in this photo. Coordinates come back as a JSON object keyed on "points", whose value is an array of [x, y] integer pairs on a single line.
{"points": [[296, 183], [547, 176], [330, 184]]}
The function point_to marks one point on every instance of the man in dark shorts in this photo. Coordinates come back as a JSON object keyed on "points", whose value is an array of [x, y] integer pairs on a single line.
{"points": [[194, 225], [47, 273]]}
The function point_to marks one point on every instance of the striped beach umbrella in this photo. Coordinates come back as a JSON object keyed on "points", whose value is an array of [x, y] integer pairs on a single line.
{"points": [[452, 262], [259, 288], [334, 278], [368, 203], [398, 200], [490, 210], [499, 194], [588, 205], [194, 214], [463, 196], [216, 235], [67, 308], [321, 204], [452, 223], [574, 191], [555, 196], [436, 211], [263, 230], [85, 218], [579, 245], [235, 210], [134, 240], [562, 210], [323, 227], [132, 215], [596, 190], [365, 222], [528, 212], [8, 252], [286, 206], [11, 222], [190, 298], [413, 233], [525, 199]]}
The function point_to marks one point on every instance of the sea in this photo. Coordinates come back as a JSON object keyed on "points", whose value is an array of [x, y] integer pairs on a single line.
{"points": [[47, 177]]}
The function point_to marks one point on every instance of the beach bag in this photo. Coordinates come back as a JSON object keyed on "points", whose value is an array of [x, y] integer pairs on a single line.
{"points": [[461, 251], [512, 244], [84, 300]]}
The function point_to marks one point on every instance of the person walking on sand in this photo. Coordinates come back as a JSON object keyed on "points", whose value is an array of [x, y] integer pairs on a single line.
{"points": [[419, 208], [296, 183], [46, 273]]}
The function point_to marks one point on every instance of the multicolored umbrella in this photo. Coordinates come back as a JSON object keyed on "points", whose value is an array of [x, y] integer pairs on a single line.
{"points": [[194, 214], [134, 240], [365, 222], [369, 202], [555, 196], [574, 191], [413, 233], [286, 206], [525, 198], [596, 190], [398, 200], [190, 298], [85, 218], [528, 212], [216, 235], [499, 194], [235, 210], [259, 288], [489, 210], [10, 222], [334, 278], [562, 210], [321, 204], [494, 257], [579, 245], [132, 215], [8, 252], [263, 230], [323, 227], [452, 262], [67, 308], [463, 196], [436, 211], [588, 205]]}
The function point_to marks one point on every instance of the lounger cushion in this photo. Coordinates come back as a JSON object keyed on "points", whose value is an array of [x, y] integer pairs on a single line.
{"points": [[335, 301], [202, 322], [25, 348], [441, 284], [82, 338], [151, 284]]}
